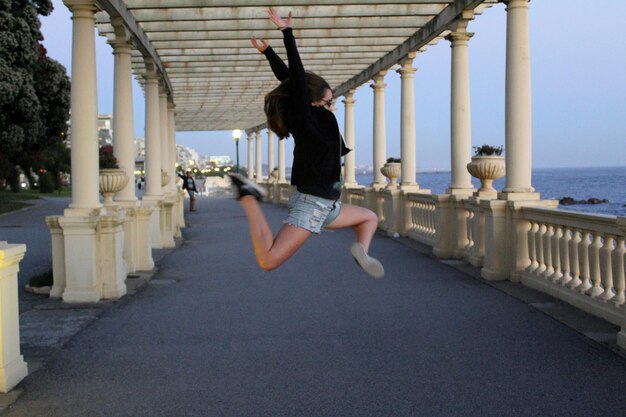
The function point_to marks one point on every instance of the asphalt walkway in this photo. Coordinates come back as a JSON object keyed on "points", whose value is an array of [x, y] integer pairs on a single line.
{"points": [[213, 335]]}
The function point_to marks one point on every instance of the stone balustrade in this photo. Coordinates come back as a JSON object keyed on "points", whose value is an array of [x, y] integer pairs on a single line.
{"points": [[578, 258], [419, 218]]}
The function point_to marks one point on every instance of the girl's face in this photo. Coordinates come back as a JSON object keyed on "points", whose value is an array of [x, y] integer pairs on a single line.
{"points": [[326, 102]]}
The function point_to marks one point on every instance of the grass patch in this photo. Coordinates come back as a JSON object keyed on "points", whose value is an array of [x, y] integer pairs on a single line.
{"points": [[10, 201]]}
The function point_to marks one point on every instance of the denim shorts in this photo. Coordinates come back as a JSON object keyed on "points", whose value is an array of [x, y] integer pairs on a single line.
{"points": [[310, 212]]}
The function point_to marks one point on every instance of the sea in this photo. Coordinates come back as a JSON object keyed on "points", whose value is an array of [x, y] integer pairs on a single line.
{"points": [[553, 184]]}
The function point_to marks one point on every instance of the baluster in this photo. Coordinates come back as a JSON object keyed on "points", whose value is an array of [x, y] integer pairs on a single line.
{"points": [[468, 225], [556, 253], [574, 266], [606, 268], [595, 274], [619, 277], [419, 216], [565, 248], [583, 257], [540, 253], [532, 249], [547, 252], [433, 225]]}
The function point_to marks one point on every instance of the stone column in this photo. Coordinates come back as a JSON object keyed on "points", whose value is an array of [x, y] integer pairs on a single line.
{"points": [[518, 123], [124, 145], [177, 210], [407, 124], [349, 160], [460, 115], [379, 134], [250, 156], [281, 161], [12, 366], [123, 139], [270, 151], [153, 195], [167, 205], [259, 160], [84, 108], [79, 223]]}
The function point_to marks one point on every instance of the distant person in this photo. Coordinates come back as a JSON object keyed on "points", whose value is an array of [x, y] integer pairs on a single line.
{"points": [[302, 106], [189, 184]]}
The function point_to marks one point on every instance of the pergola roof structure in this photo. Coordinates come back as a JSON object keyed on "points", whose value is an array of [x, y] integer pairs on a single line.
{"points": [[217, 80]]}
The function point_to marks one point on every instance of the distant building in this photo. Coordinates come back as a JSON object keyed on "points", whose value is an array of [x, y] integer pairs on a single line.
{"points": [[105, 129]]}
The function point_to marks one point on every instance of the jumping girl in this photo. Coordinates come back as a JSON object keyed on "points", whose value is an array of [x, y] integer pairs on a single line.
{"points": [[301, 106]]}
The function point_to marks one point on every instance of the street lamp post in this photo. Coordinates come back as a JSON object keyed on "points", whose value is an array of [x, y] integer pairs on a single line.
{"points": [[236, 136]]}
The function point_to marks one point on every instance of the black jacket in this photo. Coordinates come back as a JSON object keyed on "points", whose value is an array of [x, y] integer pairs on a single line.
{"points": [[318, 142], [188, 183]]}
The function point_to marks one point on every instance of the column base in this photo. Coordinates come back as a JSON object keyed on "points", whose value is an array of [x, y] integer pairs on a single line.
{"points": [[90, 295], [12, 373], [153, 203], [144, 261], [465, 192], [516, 196]]}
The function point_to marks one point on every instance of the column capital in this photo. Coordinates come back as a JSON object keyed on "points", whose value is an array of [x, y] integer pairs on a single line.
{"points": [[81, 5], [378, 81], [510, 4], [456, 38], [122, 42], [151, 73], [349, 98], [170, 104], [406, 65]]}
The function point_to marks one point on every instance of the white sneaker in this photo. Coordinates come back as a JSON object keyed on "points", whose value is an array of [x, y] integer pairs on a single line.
{"points": [[368, 264]]}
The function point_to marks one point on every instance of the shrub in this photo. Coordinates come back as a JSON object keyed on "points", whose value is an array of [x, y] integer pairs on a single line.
{"points": [[107, 159], [391, 160], [487, 150], [46, 183]]}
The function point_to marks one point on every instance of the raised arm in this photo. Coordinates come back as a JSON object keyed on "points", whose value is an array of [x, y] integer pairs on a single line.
{"points": [[279, 68], [297, 85]]}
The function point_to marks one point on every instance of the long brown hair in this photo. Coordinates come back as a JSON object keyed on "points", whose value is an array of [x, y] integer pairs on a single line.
{"points": [[277, 102]]}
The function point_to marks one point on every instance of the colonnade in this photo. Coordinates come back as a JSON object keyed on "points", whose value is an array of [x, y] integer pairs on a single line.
{"points": [[94, 245]]}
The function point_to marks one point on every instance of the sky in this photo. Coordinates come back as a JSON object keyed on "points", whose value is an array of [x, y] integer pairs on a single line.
{"points": [[578, 56]]}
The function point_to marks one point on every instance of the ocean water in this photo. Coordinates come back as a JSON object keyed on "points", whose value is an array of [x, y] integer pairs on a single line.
{"points": [[554, 183]]}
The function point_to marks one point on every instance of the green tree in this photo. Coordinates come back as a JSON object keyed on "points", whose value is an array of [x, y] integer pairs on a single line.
{"points": [[56, 160], [34, 89]]}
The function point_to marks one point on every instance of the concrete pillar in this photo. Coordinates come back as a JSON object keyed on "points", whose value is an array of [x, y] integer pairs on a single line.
{"points": [[177, 211], [349, 135], [270, 151], [460, 114], [123, 131], [12, 366], [84, 108], [518, 123], [250, 156], [407, 124], [153, 195], [164, 133], [379, 134], [259, 159], [281, 161], [167, 205]]}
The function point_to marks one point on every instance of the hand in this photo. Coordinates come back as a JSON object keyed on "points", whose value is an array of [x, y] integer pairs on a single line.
{"points": [[279, 21], [260, 46]]}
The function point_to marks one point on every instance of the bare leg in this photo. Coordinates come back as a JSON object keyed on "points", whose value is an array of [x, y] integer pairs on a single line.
{"points": [[363, 220], [270, 251], [192, 203]]}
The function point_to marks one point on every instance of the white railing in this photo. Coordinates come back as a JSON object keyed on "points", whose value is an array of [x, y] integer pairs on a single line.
{"points": [[355, 196], [419, 213], [578, 258]]}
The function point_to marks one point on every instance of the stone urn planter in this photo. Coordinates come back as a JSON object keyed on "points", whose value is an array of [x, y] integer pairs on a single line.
{"points": [[487, 168], [165, 178], [392, 171], [112, 180]]}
